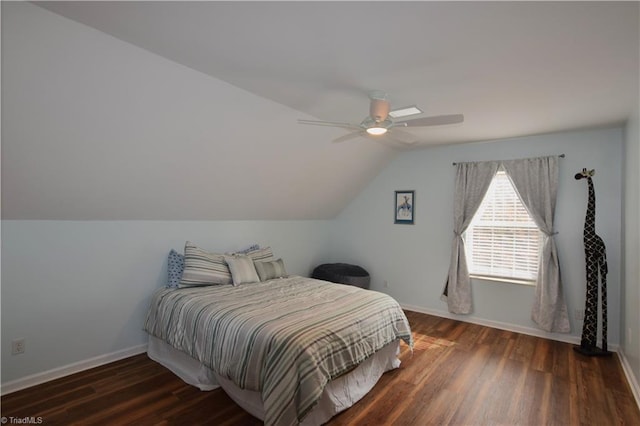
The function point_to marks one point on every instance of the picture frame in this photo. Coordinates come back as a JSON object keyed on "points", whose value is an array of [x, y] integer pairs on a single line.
{"points": [[405, 207]]}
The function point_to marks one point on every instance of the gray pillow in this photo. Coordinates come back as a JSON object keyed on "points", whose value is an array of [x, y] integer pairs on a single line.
{"points": [[268, 270]]}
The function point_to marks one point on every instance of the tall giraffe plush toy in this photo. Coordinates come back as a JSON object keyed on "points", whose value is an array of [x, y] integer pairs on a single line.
{"points": [[596, 262]]}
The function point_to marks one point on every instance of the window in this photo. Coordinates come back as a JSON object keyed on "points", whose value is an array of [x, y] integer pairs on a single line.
{"points": [[503, 242]]}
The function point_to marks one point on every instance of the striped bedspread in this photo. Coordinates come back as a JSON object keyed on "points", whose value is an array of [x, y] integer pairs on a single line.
{"points": [[286, 338]]}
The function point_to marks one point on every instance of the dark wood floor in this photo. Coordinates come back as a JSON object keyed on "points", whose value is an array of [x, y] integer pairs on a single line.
{"points": [[459, 374]]}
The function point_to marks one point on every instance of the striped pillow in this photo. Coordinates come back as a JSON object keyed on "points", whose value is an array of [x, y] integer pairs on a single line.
{"points": [[270, 269], [203, 268], [242, 269], [261, 254]]}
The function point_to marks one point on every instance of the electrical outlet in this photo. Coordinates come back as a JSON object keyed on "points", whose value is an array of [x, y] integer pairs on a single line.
{"points": [[17, 346], [579, 314]]}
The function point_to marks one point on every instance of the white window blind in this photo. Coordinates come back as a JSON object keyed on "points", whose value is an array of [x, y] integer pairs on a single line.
{"points": [[502, 240]]}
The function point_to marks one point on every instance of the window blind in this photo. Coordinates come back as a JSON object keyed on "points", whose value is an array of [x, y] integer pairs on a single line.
{"points": [[502, 240]]}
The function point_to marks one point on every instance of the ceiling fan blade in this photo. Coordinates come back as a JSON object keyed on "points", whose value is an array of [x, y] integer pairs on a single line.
{"points": [[347, 137], [330, 124], [437, 120], [402, 136]]}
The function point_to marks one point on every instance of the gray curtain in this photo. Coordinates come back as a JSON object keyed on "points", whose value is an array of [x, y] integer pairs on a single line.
{"points": [[472, 183], [536, 182]]}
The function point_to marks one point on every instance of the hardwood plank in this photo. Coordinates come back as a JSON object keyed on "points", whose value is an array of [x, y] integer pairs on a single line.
{"points": [[458, 373]]}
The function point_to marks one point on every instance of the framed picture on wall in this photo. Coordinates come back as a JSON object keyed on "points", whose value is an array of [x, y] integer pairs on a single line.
{"points": [[405, 207]]}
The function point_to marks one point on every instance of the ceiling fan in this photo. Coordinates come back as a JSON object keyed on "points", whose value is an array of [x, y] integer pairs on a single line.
{"points": [[380, 121]]}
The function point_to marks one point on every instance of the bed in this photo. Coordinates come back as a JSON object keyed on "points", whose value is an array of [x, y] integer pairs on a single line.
{"points": [[289, 351]]}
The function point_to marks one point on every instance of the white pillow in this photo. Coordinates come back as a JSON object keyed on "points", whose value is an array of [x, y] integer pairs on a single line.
{"points": [[242, 269]]}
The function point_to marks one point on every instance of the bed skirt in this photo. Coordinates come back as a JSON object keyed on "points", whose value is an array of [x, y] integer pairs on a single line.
{"points": [[339, 394]]}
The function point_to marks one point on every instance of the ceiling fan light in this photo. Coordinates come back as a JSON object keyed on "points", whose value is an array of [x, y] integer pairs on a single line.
{"points": [[376, 131]]}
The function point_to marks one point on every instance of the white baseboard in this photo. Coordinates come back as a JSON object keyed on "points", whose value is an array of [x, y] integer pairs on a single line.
{"points": [[531, 331], [76, 367], [631, 378]]}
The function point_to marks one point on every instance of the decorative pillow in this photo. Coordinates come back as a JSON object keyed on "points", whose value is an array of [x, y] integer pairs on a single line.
{"points": [[261, 254], [242, 269], [268, 270], [175, 268], [203, 268], [252, 247]]}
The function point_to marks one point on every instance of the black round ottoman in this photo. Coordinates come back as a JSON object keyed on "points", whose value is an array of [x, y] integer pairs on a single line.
{"points": [[342, 273]]}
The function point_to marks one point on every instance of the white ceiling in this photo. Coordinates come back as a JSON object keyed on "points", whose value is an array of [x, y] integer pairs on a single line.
{"points": [[512, 68], [187, 110]]}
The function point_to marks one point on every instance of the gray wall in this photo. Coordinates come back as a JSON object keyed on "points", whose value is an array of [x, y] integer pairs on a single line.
{"points": [[79, 290], [414, 259]]}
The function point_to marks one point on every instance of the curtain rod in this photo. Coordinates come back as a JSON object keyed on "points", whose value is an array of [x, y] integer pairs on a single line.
{"points": [[561, 156]]}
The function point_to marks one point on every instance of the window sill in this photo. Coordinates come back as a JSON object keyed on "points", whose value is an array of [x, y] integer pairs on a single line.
{"points": [[503, 280]]}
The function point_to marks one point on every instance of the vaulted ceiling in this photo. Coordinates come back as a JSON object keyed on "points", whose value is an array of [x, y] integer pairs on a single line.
{"points": [[187, 110]]}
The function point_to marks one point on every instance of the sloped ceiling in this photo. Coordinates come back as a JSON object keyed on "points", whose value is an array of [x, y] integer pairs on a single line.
{"points": [[187, 110]]}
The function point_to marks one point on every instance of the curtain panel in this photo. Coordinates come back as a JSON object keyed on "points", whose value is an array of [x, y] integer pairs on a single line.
{"points": [[536, 182], [472, 183]]}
